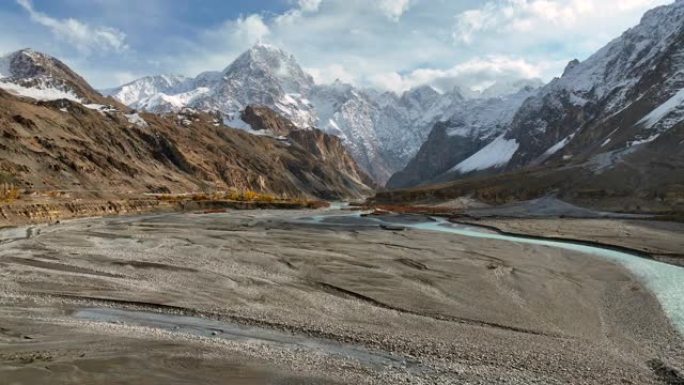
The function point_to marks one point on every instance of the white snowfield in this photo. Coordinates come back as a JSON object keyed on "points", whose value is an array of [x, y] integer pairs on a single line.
{"points": [[559, 146], [674, 105], [137, 120], [496, 154], [42, 94]]}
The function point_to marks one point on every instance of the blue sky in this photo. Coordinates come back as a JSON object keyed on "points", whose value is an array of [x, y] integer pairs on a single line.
{"points": [[390, 44]]}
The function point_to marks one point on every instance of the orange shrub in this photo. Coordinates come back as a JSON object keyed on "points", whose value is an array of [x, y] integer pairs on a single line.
{"points": [[9, 193], [250, 195]]}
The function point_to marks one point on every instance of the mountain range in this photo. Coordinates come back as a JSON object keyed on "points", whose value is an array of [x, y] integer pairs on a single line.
{"points": [[382, 130], [609, 127]]}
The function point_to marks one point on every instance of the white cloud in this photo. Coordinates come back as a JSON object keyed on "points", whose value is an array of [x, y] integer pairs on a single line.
{"points": [[124, 77], [394, 9], [474, 74], [397, 44], [549, 17], [81, 35], [309, 5], [331, 73], [249, 29], [216, 48]]}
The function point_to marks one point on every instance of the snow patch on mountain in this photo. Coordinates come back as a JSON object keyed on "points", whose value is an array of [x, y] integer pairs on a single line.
{"points": [[673, 105], [136, 119], [41, 94], [235, 121], [639, 142], [558, 146], [496, 154], [162, 102]]}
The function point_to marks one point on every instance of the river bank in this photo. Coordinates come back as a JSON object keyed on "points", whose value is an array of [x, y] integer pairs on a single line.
{"points": [[662, 240], [444, 308], [47, 211]]}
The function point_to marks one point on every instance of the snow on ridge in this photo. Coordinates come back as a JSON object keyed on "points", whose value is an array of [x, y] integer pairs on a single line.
{"points": [[164, 102], [235, 121], [496, 154], [41, 94], [50, 94], [136, 119], [639, 142], [662, 111]]}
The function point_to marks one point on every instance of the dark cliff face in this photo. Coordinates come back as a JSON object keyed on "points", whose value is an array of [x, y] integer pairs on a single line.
{"points": [[262, 118], [325, 156], [331, 151]]}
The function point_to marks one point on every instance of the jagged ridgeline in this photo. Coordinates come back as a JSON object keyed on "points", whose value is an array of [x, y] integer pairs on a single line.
{"points": [[382, 130]]}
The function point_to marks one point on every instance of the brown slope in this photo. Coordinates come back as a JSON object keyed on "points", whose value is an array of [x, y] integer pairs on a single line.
{"points": [[62, 145], [328, 149]]}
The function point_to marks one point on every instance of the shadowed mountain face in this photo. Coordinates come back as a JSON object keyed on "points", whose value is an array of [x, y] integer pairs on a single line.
{"points": [[55, 137]]}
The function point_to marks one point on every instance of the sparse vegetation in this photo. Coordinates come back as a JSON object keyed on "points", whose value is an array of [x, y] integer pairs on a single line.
{"points": [[9, 193], [412, 209], [236, 195]]}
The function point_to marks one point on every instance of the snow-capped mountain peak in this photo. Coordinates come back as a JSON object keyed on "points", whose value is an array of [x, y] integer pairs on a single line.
{"points": [[38, 75], [27, 63], [382, 130], [264, 61], [149, 86]]}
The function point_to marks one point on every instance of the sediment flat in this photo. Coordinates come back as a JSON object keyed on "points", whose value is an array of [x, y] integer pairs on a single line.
{"points": [[257, 297]]}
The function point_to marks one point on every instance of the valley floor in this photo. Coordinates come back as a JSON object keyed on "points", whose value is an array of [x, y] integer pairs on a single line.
{"points": [[260, 297]]}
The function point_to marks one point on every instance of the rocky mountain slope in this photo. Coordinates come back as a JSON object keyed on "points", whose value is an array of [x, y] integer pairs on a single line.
{"points": [[615, 117], [383, 131], [56, 144]]}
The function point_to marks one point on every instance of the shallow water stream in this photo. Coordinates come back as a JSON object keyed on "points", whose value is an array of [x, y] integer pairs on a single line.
{"points": [[231, 331]]}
